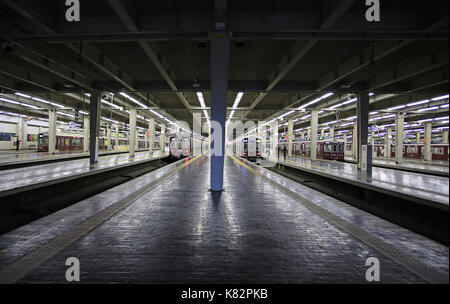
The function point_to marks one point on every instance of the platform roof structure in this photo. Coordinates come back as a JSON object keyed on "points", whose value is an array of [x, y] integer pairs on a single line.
{"points": [[284, 54]]}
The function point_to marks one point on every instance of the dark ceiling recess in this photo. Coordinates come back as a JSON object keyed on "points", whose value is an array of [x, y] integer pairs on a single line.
{"points": [[201, 44], [240, 44]]}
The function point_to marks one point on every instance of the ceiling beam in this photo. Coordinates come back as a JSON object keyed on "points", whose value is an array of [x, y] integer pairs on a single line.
{"points": [[299, 50], [362, 60], [89, 52], [408, 70], [126, 19]]}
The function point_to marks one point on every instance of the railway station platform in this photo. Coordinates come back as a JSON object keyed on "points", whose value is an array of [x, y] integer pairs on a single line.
{"points": [[425, 187], [25, 177], [10, 160], [167, 227], [435, 167]]}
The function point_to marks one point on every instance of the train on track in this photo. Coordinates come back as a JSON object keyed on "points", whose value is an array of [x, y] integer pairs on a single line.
{"points": [[71, 142], [249, 147], [416, 151], [185, 145], [331, 150]]}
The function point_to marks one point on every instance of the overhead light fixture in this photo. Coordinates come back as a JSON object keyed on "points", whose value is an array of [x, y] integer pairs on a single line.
{"points": [[440, 97], [427, 109], [22, 95], [110, 104], [417, 103], [286, 114], [133, 99], [316, 100], [397, 108]]}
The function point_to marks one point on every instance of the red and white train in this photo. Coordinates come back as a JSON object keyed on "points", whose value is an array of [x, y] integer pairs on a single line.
{"points": [[249, 147], [66, 142], [330, 150], [185, 145], [438, 151]]}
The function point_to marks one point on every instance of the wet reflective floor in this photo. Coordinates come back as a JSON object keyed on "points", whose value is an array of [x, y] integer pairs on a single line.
{"points": [[180, 232], [9, 157], [16, 178], [434, 188]]}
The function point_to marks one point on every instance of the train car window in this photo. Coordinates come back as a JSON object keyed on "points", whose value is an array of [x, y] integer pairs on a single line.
{"points": [[76, 142]]}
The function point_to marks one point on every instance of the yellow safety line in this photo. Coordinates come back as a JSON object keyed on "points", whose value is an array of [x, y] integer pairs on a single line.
{"points": [[412, 264], [35, 258]]}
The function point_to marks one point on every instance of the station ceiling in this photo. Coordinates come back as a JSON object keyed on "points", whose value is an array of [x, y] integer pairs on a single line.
{"points": [[283, 53]]}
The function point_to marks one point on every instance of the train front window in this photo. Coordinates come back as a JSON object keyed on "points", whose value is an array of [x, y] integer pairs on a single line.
{"points": [[76, 142]]}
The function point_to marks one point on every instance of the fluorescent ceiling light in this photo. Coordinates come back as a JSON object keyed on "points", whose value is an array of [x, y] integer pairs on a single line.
{"points": [[397, 107], [22, 95], [29, 106], [286, 114], [238, 99], [40, 100], [133, 99], [444, 106], [156, 113], [9, 101], [316, 100], [110, 104], [427, 109], [440, 97], [350, 101], [417, 103]]}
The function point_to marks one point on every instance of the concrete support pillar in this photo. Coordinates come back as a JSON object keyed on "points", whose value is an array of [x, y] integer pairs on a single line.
{"points": [[162, 138], [355, 141], [314, 121], [418, 138], [117, 138], [322, 133], [331, 133], [362, 116], [21, 131], [290, 136], [86, 134], [151, 131], [136, 142], [308, 134], [220, 53], [52, 117], [445, 136], [399, 135], [94, 126], [387, 143], [274, 132], [108, 137], [427, 142], [133, 131]]}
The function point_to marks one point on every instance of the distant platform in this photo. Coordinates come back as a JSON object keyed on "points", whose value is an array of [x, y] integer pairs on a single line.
{"points": [[426, 187], [26, 159]]}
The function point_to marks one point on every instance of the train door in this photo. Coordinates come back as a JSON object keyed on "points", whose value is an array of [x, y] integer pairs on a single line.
{"points": [[334, 151], [251, 151], [186, 146]]}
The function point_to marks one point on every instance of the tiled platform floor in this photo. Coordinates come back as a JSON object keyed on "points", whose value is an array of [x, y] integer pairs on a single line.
{"points": [[179, 232]]}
